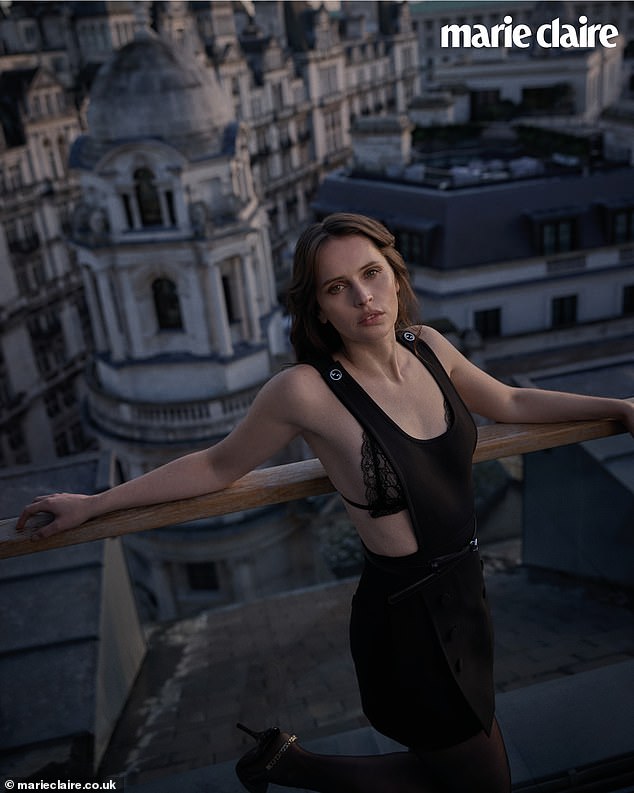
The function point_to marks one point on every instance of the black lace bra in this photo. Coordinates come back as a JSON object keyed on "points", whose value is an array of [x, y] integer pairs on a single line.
{"points": [[383, 490]]}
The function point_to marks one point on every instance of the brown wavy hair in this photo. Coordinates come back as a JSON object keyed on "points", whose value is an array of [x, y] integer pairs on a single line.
{"points": [[309, 336]]}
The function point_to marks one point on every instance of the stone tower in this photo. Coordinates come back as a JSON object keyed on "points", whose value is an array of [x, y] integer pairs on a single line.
{"points": [[176, 262]]}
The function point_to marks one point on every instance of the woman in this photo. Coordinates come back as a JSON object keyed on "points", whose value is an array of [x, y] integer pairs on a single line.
{"points": [[386, 407]]}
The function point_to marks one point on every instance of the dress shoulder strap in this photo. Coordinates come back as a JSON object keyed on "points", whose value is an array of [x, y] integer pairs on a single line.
{"points": [[350, 394], [423, 352]]}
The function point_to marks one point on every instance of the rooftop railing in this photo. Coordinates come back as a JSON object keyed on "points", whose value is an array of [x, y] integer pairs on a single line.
{"points": [[282, 483]]}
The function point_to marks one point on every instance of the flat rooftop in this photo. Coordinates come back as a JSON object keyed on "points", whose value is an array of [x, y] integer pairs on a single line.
{"points": [[285, 660]]}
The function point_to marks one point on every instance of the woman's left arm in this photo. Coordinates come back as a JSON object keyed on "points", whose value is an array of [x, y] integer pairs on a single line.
{"points": [[497, 401]]}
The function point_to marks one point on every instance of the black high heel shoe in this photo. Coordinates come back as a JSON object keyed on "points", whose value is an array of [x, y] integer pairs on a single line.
{"points": [[254, 768]]}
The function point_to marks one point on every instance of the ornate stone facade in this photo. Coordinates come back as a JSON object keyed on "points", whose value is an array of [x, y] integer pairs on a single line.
{"points": [[205, 138], [174, 251]]}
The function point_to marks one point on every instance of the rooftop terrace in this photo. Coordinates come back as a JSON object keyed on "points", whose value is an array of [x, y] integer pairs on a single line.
{"points": [[565, 668]]}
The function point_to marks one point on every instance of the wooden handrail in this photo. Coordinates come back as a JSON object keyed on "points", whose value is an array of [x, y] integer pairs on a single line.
{"points": [[282, 483]]}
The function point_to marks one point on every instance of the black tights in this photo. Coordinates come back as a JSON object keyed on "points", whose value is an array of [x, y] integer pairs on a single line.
{"points": [[478, 765]]}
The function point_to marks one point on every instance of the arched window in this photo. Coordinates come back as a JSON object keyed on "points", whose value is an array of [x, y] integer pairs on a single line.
{"points": [[147, 197], [167, 304]]}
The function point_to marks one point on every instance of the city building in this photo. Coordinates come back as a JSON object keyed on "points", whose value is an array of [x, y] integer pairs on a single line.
{"points": [[299, 78], [296, 77], [173, 245], [164, 249], [199, 135], [44, 326], [617, 126], [556, 87], [141, 285], [430, 16], [520, 255]]}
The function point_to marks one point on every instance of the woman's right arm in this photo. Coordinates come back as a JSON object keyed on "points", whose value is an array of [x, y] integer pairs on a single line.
{"points": [[271, 423]]}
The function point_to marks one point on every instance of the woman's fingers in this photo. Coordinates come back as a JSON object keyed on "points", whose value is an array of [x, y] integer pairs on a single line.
{"points": [[47, 530], [48, 515], [28, 512]]}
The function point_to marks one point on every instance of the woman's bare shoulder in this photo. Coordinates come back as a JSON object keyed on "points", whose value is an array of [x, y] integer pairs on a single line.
{"points": [[296, 377], [440, 345], [429, 335], [295, 388]]}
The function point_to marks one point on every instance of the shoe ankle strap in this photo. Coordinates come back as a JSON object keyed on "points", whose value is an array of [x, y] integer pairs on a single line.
{"points": [[283, 748]]}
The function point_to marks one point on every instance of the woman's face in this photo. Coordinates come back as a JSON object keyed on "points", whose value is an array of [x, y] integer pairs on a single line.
{"points": [[356, 289]]}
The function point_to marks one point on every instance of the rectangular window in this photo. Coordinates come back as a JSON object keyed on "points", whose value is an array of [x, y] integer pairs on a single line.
{"points": [[278, 97], [557, 236], [29, 234], [77, 437], [482, 101], [622, 226], [564, 311], [11, 233], [411, 246], [202, 576], [30, 33], [52, 404], [328, 80], [488, 322], [628, 299], [6, 392], [62, 447], [15, 176], [65, 218], [67, 392], [16, 437], [58, 349], [22, 278], [37, 275], [332, 129]]}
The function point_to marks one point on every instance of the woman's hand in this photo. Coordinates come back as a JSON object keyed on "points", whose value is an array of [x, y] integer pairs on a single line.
{"points": [[67, 509]]}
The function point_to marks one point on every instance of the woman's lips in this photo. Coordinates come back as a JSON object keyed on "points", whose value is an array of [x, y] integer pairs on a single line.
{"points": [[368, 319]]}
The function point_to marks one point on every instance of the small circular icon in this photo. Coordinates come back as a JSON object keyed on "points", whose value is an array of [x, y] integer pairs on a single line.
{"points": [[335, 374], [9, 784], [408, 336]]}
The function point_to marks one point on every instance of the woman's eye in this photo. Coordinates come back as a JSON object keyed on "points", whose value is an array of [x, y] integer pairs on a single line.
{"points": [[372, 272], [335, 289]]}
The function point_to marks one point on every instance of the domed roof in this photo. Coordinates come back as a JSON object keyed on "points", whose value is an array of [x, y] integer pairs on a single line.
{"points": [[146, 90]]}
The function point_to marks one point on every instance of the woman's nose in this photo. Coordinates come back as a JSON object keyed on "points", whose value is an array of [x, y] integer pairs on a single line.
{"points": [[362, 295]]}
